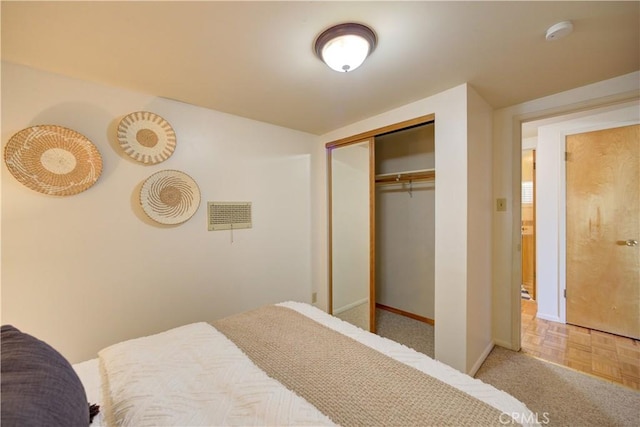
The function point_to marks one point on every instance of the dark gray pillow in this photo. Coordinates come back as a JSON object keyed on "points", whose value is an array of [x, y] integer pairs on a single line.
{"points": [[38, 385]]}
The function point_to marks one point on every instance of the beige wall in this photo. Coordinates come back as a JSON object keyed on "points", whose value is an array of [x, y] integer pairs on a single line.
{"points": [[86, 271], [479, 214]]}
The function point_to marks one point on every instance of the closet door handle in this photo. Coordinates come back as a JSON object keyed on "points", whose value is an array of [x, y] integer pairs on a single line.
{"points": [[631, 242]]}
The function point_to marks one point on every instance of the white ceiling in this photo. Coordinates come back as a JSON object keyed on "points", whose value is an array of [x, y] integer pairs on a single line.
{"points": [[256, 60]]}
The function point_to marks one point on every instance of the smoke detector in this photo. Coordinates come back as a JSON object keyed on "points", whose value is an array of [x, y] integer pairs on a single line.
{"points": [[559, 30]]}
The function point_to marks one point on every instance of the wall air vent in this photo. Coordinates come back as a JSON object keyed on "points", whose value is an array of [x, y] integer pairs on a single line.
{"points": [[229, 215]]}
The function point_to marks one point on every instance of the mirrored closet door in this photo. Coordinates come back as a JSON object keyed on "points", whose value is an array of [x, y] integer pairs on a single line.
{"points": [[351, 232]]}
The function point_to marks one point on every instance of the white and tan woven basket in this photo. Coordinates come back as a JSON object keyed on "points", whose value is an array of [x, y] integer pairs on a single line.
{"points": [[53, 160], [170, 197], [146, 137]]}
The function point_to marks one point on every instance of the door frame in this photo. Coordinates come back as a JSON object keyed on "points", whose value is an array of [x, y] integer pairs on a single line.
{"points": [[518, 120]]}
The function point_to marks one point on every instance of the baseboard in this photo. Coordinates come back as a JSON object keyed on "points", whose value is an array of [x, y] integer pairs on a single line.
{"points": [[549, 317], [504, 344], [406, 314], [481, 359]]}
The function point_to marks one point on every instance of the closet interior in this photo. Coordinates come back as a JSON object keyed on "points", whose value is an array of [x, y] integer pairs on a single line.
{"points": [[405, 188]]}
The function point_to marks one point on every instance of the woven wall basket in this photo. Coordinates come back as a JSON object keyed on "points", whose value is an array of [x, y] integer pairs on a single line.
{"points": [[146, 137], [170, 197], [53, 160]]}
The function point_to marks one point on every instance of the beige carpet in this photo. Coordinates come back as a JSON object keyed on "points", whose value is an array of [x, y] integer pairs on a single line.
{"points": [[557, 395], [563, 396], [410, 332]]}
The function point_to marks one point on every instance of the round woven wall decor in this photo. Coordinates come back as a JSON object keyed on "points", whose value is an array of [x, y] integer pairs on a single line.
{"points": [[170, 197], [146, 137], [53, 160]]}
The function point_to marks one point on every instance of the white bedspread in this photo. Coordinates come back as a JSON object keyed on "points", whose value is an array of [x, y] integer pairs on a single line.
{"points": [[193, 375]]}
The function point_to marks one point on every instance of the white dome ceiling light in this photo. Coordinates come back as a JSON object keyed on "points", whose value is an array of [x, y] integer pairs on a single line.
{"points": [[559, 30], [344, 47]]}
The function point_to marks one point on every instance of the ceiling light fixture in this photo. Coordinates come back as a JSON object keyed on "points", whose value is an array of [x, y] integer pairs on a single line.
{"points": [[344, 47]]}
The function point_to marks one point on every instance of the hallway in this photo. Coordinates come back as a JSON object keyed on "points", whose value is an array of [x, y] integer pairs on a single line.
{"points": [[611, 357]]}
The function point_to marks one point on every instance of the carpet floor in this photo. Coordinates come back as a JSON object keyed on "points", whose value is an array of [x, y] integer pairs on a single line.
{"points": [[558, 396]]}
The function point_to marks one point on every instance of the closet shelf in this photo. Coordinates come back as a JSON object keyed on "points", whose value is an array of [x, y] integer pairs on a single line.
{"points": [[404, 176]]}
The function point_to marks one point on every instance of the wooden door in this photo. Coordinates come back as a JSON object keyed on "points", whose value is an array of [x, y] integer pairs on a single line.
{"points": [[528, 213], [603, 227]]}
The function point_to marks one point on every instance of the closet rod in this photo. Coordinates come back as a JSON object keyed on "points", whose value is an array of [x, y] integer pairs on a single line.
{"points": [[417, 175]]}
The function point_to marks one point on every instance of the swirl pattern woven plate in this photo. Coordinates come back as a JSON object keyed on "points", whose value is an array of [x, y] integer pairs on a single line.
{"points": [[53, 160], [146, 137], [170, 197]]}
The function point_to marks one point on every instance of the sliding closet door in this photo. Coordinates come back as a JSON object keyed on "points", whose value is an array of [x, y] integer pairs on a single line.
{"points": [[351, 233]]}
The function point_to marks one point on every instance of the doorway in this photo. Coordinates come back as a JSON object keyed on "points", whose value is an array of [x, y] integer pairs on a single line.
{"points": [[342, 220], [547, 137], [528, 225], [405, 222]]}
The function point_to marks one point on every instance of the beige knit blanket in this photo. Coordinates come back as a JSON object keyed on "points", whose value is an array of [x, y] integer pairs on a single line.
{"points": [[349, 382]]}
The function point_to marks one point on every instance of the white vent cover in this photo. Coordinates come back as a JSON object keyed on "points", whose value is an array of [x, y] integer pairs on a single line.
{"points": [[229, 215]]}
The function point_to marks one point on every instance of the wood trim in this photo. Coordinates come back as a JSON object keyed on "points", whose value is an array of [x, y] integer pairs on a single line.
{"points": [[372, 235], [330, 233], [382, 130], [406, 314], [535, 231], [391, 178]]}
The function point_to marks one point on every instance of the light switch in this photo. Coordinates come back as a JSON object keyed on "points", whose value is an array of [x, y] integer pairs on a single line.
{"points": [[501, 205]]}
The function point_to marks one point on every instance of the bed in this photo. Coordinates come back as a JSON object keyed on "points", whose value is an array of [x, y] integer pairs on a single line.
{"points": [[284, 364]]}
